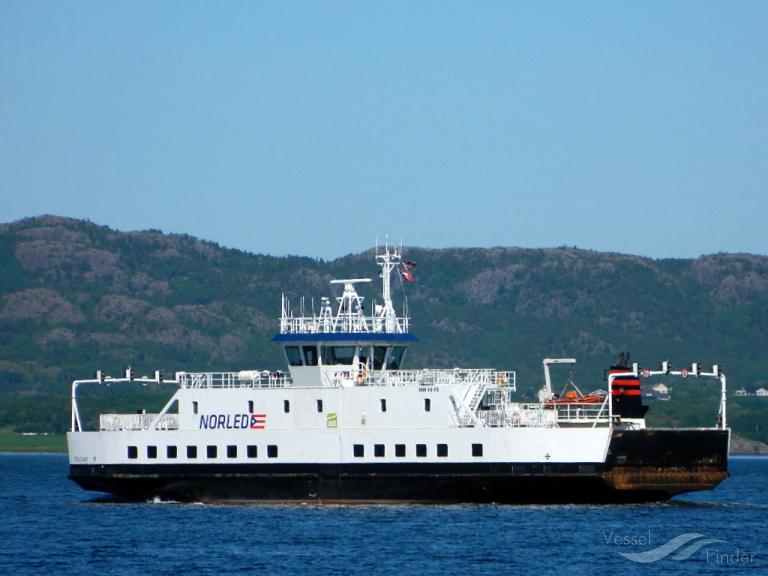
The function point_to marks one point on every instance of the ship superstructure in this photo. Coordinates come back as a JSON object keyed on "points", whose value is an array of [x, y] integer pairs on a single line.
{"points": [[349, 423]]}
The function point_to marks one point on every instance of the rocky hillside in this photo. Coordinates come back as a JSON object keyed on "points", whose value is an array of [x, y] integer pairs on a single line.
{"points": [[75, 296]]}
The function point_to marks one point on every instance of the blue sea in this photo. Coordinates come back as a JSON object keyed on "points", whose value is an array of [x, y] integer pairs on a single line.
{"points": [[48, 525]]}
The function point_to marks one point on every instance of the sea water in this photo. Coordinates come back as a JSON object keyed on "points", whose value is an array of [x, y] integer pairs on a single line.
{"points": [[48, 525]]}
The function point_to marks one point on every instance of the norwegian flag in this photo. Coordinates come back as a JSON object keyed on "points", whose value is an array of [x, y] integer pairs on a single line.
{"points": [[258, 421], [409, 264], [407, 276]]}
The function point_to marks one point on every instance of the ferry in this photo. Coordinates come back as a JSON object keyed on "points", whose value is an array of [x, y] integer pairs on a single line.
{"points": [[347, 423]]}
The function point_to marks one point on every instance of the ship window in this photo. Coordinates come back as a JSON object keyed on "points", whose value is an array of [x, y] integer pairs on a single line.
{"points": [[338, 355], [191, 451], [395, 357], [294, 355], [171, 451], [194, 407], [286, 406], [442, 450], [231, 451], [211, 451], [151, 451], [400, 450], [379, 352], [378, 450], [252, 451], [421, 450], [133, 452], [319, 405], [383, 402], [271, 451], [358, 450], [477, 449], [427, 404], [250, 406], [310, 355]]}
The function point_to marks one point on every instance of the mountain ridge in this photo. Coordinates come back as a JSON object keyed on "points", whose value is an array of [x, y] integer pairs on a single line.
{"points": [[75, 296]]}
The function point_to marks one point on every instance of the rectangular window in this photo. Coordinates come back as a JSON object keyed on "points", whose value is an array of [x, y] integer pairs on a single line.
{"points": [[442, 450], [191, 451], [211, 451], [294, 355], [250, 406], [358, 450], [151, 451], [427, 404], [477, 449], [133, 452], [338, 355], [378, 450], [286, 406], [421, 450], [231, 451], [310, 355], [171, 452], [383, 404], [319, 405], [195, 406], [252, 451], [395, 357], [271, 451], [379, 352]]}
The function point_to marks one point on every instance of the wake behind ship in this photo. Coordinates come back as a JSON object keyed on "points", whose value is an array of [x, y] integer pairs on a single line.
{"points": [[348, 423]]}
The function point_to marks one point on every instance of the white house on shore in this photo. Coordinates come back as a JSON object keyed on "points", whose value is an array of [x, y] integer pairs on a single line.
{"points": [[661, 389], [761, 392]]}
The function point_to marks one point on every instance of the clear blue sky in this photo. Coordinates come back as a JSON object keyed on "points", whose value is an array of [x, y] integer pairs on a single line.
{"points": [[314, 127]]}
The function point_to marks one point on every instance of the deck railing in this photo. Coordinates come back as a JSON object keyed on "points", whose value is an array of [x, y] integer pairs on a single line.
{"points": [[113, 422], [242, 379], [432, 377]]}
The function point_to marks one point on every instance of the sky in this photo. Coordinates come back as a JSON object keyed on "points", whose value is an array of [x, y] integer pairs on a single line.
{"points": [[314, 128]]}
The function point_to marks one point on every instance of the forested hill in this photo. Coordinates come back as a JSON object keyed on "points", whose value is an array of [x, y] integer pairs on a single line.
{"points": [[75, 296]]}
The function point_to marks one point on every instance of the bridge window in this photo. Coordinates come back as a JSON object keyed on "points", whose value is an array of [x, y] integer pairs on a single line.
{"points": [[442, 450], [151, 451], [191, 451], [133, 452], [421, 450], [310, 355], [294, 355], [379, 353], [338, 355], [394, 357], [171, 452], [400, 450]]}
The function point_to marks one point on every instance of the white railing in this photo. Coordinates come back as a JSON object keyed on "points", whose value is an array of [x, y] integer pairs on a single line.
{"points": [[432, 377], [345, 323], [573, 412], [242, 379], [113, 422]]}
